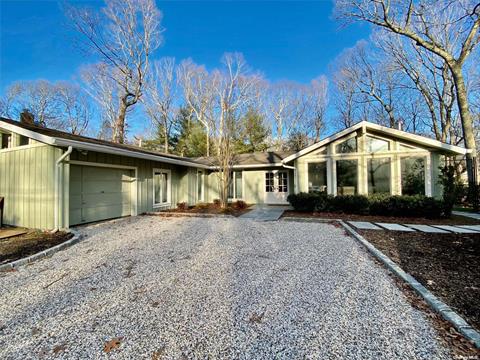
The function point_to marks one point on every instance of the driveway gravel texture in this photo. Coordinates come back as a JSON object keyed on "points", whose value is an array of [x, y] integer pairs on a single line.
{"points": [[219, 288]]}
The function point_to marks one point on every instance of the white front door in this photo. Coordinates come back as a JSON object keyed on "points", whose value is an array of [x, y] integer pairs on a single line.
{"points": [[276, 187]]}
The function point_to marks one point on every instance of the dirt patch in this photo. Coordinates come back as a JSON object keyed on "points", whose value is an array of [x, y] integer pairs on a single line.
{"points": [[17, 247], [211, 209], [447, 264], [454, 220]]}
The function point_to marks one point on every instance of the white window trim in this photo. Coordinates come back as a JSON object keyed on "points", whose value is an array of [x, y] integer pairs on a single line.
{"points": [[169, 188], [389, 141], [235, 185], [359, 171]]}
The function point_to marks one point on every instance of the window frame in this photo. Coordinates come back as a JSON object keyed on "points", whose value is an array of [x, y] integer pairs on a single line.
{"points": [[169, 187], [326, 172], [359, 168], [426, 169], [392, 170], [234, 185]]}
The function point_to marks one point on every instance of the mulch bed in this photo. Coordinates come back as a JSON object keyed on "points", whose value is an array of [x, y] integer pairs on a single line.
{"points": [[454, 220], [211, 209], [447, 264], [17, 247]]}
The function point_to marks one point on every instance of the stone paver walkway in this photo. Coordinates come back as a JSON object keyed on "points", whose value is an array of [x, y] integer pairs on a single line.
{"points": [[475, 216], [265, 213], [438, 229]]}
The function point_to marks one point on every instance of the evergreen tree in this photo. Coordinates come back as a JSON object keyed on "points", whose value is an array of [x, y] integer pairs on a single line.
{"points": [[252, 134], [190, 135]]}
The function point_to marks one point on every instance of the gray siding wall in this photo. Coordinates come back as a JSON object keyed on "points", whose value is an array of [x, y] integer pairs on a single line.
{"points": [[27, 182]]}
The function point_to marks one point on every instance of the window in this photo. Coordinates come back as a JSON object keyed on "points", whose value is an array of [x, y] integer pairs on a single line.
{"points": [[348, 146], [161, 187], [200, 186], [23, 140], [376, 145], [317, 176], [269, 182], [282, 182], [235, 189], [347, 177], [379, 176], [6, 141], [413, 175]]}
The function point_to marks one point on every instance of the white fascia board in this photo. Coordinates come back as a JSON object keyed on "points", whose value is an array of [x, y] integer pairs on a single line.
{"points": [[117, 151], [417, 138], [28, 133], [324, 142], [249, 166]]}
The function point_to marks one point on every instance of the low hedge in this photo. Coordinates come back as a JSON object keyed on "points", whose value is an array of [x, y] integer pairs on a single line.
{"points": [[395, 205]]}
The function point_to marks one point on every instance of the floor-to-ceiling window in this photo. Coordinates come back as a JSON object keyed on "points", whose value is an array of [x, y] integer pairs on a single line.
{"points": [[413, 175], [347, 177], [235, 189], [317, 176], [379, 176]]}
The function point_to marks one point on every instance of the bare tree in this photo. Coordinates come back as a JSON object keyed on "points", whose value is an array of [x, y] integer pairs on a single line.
{"points": [[319, 99], [235, 88], [431, 25], [159, 99], [123, 35], [59, 105], [75, 108], [198, 90], [287, 103], [103, 89]]}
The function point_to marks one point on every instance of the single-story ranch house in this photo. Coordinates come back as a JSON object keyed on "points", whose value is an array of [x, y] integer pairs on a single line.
{"points": [[52, 180]]}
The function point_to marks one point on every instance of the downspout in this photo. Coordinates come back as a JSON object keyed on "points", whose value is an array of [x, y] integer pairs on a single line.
{"points": [[294, 176], [57, 187]]}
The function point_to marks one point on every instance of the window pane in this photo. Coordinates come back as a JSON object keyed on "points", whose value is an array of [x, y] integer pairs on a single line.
{"points": [[347, 176], [164, 187], [157, 180], [238, 184], [348, 146], [413, 175], [317, 176], [379, 176], [375, 145], [282, 182], [6, 141], [269, 182]]}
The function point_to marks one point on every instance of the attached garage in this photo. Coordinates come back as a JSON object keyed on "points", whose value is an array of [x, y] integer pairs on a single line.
{"points": [[100, 193]]}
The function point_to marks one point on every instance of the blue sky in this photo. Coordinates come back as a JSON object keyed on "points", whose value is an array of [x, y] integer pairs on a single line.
{"points": [[295, 40]]}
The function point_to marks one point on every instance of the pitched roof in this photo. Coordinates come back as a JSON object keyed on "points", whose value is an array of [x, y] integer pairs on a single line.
{"points": [[403, 135], [257, 159], [61, 138]]}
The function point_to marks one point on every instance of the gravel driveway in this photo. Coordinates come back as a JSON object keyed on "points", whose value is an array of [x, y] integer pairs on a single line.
{"points": [[211, 288]]}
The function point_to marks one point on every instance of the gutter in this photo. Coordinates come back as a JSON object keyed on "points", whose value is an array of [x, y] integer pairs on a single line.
{"points": [[130, 153], [58, 187]]}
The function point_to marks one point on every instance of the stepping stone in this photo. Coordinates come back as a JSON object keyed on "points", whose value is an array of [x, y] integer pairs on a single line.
{"points": [[427, 229], [456, 229], [395, 227], [470, 227], [364, 225]]}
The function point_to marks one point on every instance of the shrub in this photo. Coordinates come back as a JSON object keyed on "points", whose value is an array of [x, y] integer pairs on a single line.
{"points": [[182, 206], [384, 205], [240, 205], [217, 203]]}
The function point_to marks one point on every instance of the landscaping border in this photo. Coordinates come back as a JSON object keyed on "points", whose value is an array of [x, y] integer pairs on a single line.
{"points": [[186, 214], [439, 306], [44, 253]]}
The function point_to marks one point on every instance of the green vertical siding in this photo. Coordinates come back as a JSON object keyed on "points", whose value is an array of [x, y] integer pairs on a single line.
{"points": [[28, 185]]}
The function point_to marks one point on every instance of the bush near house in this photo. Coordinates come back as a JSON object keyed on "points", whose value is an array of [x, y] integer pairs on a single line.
{"points": [[385, 205]]}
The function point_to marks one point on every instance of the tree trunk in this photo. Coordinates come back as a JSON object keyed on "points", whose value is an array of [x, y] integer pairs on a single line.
{"points": [[119, 128], [467, 125], [165, 144], [208, 143]]}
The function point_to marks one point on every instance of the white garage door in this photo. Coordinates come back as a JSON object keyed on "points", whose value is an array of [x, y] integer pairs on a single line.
{"points": [[98, 193]]}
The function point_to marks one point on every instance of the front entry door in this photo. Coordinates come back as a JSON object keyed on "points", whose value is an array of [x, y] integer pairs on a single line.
{"points": [[276, 187]]}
